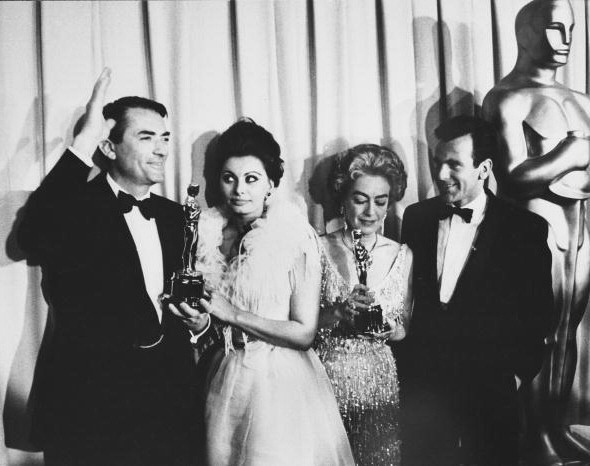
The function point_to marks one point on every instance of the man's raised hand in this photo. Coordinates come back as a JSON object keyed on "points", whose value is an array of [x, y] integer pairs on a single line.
{"points": [[94, 127]]}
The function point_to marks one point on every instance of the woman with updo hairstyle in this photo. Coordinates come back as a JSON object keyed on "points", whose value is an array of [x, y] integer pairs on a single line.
{"points": [[246, 137], [268, 399], [369, 159], [366, 300]]}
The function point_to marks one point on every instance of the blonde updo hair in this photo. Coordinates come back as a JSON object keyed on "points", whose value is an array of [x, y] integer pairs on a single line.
{"points": [[368, 159]]}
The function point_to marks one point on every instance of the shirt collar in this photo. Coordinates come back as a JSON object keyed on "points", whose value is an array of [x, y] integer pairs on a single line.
{"points": [[116, 188]]}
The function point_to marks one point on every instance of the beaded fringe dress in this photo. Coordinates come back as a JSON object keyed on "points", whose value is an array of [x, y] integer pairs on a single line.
{"points": [[363, 370]]}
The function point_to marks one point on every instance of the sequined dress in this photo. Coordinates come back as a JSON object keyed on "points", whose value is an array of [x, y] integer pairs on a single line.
{"points": [[363, 370]]}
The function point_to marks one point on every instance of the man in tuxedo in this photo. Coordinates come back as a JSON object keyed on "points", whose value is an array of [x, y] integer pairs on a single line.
{"points": [[482, 308], [116, 383]]}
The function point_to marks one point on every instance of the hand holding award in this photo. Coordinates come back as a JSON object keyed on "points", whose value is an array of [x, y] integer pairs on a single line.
{"points": [[368, 321], [187, 283]]}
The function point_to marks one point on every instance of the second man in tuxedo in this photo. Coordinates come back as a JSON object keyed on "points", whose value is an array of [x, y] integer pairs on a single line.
{"points": [[483, 305]]}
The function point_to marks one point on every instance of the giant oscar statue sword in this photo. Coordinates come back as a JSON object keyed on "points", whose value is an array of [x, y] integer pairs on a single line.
{"points": [[543, 165]]}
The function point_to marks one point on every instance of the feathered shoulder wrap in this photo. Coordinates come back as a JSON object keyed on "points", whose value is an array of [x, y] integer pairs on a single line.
{"points": [[264, 272]]}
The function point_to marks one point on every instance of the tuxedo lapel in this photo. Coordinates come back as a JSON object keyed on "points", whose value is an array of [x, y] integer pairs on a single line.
{"points": [[422, 228], [480, 256], [170, 233], [167, 229], [115, 239], [113, 224], [431, 244]]}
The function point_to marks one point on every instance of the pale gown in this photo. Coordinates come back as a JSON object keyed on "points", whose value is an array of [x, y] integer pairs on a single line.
{"points": [[266, 404]]}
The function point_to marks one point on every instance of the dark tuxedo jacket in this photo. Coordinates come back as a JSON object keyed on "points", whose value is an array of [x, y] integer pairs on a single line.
{"points": [[93, 379], [465, 354]]}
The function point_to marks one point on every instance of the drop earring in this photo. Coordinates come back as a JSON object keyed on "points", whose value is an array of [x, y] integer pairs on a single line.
{"points": [[265, 204], [342, 212]]}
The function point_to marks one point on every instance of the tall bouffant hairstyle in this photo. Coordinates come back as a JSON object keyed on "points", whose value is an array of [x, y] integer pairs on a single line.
{"points": [[117, 111], [483, 134], [369, 159], [245, 137]]}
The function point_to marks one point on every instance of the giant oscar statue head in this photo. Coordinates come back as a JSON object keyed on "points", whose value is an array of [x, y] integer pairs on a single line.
{"points": [[544, 32]]}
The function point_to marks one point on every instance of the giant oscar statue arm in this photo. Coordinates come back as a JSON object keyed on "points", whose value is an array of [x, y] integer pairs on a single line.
{"points": [[543, 165], [523, 172]]}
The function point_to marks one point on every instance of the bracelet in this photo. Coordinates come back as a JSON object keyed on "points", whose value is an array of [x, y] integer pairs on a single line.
{"points": [[195, 336]]}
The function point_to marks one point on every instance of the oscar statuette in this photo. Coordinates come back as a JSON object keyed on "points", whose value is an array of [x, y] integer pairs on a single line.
{"points": [[369, 321], [187, 283]]}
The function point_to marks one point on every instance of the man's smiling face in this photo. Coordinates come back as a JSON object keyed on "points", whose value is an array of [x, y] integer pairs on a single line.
{"points": [[458, 179]]}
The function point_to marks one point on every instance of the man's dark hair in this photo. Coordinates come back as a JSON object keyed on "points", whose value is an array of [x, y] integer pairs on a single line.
{"points": [[117, 111], [482, 132]]}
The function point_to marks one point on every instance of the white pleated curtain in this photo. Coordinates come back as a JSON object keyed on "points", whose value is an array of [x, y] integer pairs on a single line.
{"points": [[321, 75]]}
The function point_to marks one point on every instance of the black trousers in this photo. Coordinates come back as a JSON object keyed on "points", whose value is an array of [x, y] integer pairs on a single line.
{"points": [[447, 424], [141, 448]]}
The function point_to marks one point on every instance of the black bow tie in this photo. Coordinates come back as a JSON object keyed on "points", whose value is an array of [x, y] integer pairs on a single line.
{"points": [[127, 201], [447, 211]]}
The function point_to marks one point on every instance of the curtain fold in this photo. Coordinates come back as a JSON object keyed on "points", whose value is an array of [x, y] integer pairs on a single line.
{"points": [[321, 75]]}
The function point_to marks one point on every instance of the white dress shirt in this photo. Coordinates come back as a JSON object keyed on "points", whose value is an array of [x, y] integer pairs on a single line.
{"points": [[455, 240], [147, 242]]}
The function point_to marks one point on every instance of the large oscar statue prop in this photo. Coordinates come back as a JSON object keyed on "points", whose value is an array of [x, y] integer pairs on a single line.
{"points": [[543, 165], [187, 283], [370, 321]]}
